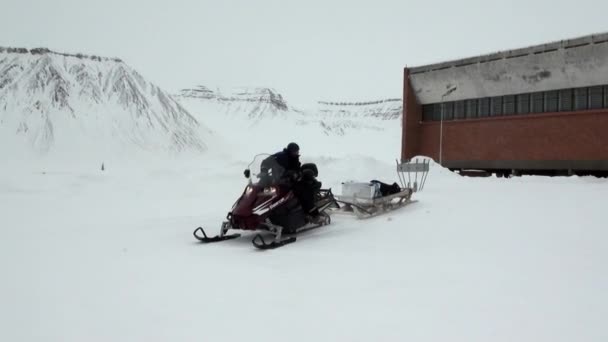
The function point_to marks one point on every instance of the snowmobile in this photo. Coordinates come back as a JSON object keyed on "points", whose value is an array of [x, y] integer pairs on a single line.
{"points": [[268, 205]]}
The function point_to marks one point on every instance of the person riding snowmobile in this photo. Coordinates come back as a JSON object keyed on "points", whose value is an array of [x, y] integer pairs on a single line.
{"points": [[287, 169], [284, 165], [306, 188]]}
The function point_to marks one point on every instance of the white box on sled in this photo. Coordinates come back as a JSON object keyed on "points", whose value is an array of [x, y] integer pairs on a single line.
{"points": [[360, 190]]}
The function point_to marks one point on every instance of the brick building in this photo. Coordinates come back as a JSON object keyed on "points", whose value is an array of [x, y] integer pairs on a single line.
{"points": [[539, 109]]}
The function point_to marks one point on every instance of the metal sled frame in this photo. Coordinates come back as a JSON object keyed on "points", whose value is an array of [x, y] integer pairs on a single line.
{"points": [[416, 167], [369, 207]]}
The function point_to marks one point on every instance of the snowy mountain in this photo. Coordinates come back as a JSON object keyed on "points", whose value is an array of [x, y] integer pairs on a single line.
{"points": [[250, 103], [341, 117], [260, 115], [263, 113], [387, 109], [263, 103], [61, 102]]}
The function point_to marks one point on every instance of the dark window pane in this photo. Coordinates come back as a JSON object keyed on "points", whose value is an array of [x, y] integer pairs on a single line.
{"points": [[509, 104], [459, 110], [427, 112], [565, 100], [448, 110], [605, 96], [595, 97], [496, 106], [523, 103], [552, 101], [436, 112], [484, 107], [471, 109], [537, 103], [580, 99]]}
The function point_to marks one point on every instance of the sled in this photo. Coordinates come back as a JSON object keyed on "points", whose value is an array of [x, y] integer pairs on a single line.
{"points": [[364, 199], [364, 208]]}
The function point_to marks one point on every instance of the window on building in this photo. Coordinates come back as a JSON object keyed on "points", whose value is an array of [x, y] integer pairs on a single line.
{"points": [[538, 102], [459, 110], [427, 112], [509, 104], [523, 104], [484, 107], [436, 112], [565, 100], [471, 109], [496, 106], [596, 95], [552, 101], [581, 100], [448, 110]]}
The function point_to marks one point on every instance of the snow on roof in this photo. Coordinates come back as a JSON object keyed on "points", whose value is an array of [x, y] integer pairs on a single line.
{"points": [[507, 54], [572, 63]]}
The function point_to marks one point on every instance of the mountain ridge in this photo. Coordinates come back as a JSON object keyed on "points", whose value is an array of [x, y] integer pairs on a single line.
{"points": [[48, 96]]}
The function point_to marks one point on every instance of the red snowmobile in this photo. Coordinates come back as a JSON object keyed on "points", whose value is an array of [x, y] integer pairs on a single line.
{"points": [[268, 205]]}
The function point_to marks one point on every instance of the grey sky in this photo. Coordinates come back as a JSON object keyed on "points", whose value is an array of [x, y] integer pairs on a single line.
{"points": [[309, 50]]}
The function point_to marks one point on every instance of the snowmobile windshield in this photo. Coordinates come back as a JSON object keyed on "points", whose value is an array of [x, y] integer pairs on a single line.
{"points": [[265, 171]]}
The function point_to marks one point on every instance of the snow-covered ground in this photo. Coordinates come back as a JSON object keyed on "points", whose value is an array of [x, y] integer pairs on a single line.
{"points": [[88, 255], [91, 255]]}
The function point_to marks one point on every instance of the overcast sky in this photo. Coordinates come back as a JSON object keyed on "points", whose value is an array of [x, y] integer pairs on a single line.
{"points": [[308, 49]]}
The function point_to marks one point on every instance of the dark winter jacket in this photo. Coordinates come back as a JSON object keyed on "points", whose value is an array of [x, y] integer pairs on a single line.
{"points": [[288, 164]]}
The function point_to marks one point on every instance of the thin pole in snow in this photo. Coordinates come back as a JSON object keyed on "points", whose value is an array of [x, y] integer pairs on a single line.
{"points": [[448, 92]]}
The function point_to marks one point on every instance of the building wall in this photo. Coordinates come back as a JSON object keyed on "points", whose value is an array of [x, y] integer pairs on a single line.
{"points": [[410, 137], [567, 140], [575, 140]]}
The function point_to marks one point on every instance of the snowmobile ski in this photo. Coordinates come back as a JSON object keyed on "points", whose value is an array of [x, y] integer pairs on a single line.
{"points": [[216, 238], [259, 242]]}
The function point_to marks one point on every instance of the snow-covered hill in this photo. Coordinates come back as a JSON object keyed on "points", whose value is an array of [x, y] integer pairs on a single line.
{"points": [[265, 115], [66, 103], [341, 117], [248, 120], [257, 104], [387, 109], [246, 103]]}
